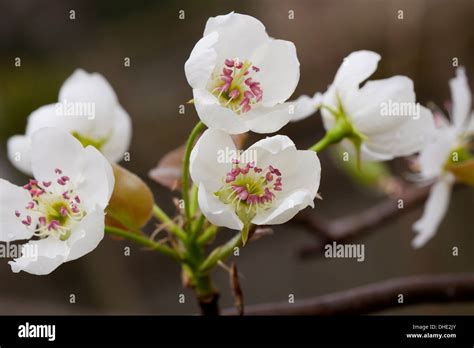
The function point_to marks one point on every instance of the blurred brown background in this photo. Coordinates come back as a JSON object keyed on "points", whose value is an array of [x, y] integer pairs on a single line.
{"points": [[51, 46]]}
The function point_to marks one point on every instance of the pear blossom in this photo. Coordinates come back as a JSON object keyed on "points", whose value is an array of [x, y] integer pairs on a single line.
{"points": [[266, 184], [450, 138], [241, 77], [89, 109], [384, 119], [61, 210]]}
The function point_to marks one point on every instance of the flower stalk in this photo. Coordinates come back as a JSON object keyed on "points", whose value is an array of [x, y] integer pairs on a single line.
{"points": [[144, 241], [170, 225], [341, 130], [185, 179]]}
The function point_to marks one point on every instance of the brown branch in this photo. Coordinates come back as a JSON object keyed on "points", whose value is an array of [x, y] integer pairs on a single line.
{"points": [[436, 288], [356, 225], [209, 306]]}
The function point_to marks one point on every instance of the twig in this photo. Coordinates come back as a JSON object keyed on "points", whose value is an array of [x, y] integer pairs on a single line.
{"points": [[210, 306], [356, 225], [435, 288]]}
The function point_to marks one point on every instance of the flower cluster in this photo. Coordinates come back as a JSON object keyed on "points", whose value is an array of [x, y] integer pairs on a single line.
{"points": [[241, 79]]}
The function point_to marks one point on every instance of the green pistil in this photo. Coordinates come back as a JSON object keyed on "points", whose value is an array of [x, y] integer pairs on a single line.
{"points": [[252, 186], [54, 213]]}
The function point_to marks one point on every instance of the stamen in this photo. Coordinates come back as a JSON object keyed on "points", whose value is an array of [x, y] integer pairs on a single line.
{"points": [[255, 188], [57, 213], [235, 87], [63, 211]]}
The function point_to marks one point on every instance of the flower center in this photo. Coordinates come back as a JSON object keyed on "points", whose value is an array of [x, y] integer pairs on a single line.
{"points": [[235, 88], [56, 205], [250, 188]]}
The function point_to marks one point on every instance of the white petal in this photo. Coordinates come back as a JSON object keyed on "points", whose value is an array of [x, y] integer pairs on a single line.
{"points": [[209, 162], [330, 99], [470, 128], [410, 137], [300, 169], [53, 148], [216, 212], [114, 149], [92, 90], [96, 181], [278, 151], [87, 235], [19, 147], [461, 97], [355, 68], [301, 174], [279, 70], [366, 107], [285, 210], [435, 210], [14, 198], [367, 154], [45, 256], [435, 154], [202, 61], [239, 35], [48, 116], [214, 115], [268, 119], [87, 168], [274, 144], [305, 106], [307, 175]]}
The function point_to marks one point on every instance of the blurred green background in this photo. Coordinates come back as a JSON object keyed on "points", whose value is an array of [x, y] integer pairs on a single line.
{"points": [[51, 46]]}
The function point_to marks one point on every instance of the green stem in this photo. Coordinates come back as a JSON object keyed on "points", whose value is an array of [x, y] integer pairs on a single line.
{"points": [[172, 227], [185, 179], [207, 235], [221, 253], [322, 144], [144, 241], [194, 199], [198, 225]]}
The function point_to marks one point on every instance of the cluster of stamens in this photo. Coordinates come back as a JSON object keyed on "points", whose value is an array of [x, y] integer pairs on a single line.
{"points": [[251, 185], [235, 87], [55, 205]]}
